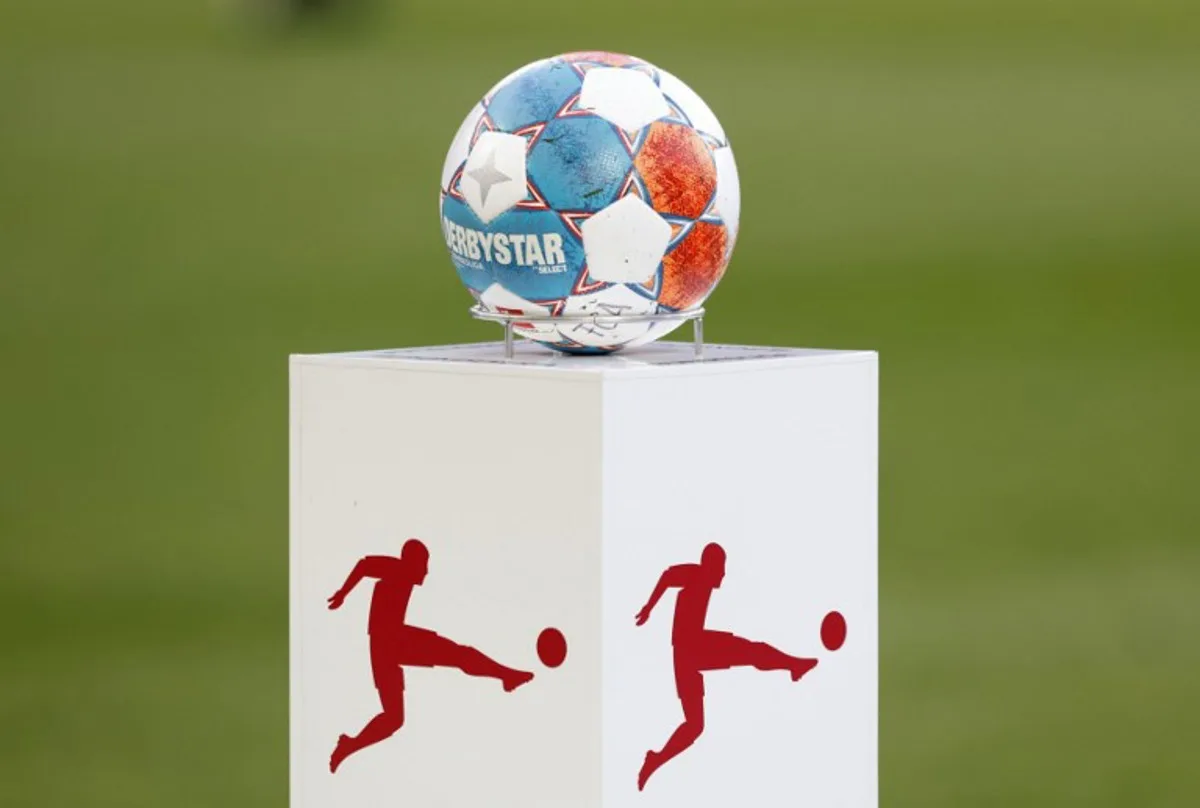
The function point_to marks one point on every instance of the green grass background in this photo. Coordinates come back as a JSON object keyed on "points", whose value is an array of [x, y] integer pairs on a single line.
{"points": [[1001, 197]]}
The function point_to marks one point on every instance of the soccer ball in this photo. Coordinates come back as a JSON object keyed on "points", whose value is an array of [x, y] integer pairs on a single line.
{"points": [[590, 183]]}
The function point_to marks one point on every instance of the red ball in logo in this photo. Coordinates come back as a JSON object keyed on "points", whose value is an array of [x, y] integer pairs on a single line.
{"points": [[551, 647], [833, 631]]}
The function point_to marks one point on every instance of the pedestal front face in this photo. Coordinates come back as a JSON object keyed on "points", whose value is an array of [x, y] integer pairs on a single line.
{"points": [[549, 496], [774, 472], [499, 478]]}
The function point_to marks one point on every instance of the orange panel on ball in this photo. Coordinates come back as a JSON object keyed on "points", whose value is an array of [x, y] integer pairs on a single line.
{"points": [[692, 269], [677, 169]]}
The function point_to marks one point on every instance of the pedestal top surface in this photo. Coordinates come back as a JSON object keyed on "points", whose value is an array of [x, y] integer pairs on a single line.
{"points": [[652, 359]]}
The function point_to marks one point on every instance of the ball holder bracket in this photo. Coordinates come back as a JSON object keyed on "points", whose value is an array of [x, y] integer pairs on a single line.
{"points": [[509, 320]]}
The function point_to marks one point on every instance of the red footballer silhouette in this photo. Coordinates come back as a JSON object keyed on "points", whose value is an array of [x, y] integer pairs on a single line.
{"points": [[833, 631], [395, 644], [551, 647], [699, 649]]}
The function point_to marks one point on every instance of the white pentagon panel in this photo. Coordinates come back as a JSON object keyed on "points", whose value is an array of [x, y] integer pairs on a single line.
{"points": [[654, 332], [615, 300], [628, 98], [625, 242], [497, 298], [494, 177], [460, 146], [729, 192], [693, 106]]}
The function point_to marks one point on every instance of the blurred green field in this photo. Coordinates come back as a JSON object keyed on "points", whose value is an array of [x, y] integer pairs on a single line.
{"points": [[1001, 197]]}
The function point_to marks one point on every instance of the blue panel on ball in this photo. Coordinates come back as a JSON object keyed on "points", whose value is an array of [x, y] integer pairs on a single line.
{"points": [[531, 253], [580, 350], [579, 163], [534, 96]]}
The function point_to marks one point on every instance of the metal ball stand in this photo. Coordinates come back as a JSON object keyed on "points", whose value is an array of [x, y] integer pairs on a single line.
{"points": [[508, 320]]}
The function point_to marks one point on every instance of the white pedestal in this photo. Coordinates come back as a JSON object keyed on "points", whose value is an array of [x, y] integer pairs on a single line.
{"points": [[554, 492]]}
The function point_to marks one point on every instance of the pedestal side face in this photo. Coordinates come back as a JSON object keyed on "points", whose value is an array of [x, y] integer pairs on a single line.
{"points": [[777, 470], [499, 479]]}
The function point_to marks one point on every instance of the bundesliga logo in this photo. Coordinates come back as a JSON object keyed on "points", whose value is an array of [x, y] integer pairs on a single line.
{"points": [[696, 649]]}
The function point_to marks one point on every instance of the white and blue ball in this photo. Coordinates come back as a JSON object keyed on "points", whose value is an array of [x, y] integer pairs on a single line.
{"points": [[590, 183]]}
